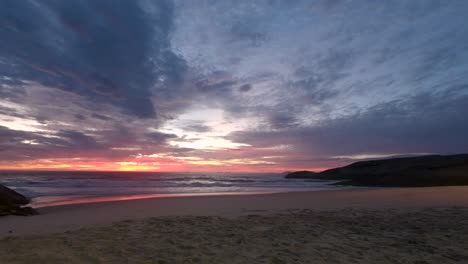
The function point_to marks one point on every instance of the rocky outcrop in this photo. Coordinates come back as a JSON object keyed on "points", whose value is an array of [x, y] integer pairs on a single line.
{"points": [[421, 171], [301, 175], [13, 203]]}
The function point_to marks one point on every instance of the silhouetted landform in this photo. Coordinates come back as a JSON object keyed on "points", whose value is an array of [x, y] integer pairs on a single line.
{"points": [[434, 170], [301, 175], [13, 203]]}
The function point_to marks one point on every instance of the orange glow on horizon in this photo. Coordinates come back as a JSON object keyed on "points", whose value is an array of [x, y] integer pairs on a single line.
{"points": [[244, 159], [208, 166]]}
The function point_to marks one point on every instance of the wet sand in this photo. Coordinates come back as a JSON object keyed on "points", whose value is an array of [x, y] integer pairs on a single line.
{"points": [[391, 225]]}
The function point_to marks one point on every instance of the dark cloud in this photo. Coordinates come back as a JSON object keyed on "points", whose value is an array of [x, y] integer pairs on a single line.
{"points": [[159, 137], [318, 83], [10, 112], [426, 123], [217, 84], [281, 120], [108, 51], [195, 126], [245, 88], [78, 139], [119, 142], [80, 117], [101, 117], [19, 145], [245, 30]]}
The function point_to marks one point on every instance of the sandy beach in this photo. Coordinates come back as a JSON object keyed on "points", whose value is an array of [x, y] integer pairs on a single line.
{"points": [[368, 225]]}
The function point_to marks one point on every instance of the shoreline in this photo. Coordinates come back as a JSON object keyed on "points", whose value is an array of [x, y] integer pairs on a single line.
{"points": [[115, 200], [62, 218], [108, 199], [83, 199]]}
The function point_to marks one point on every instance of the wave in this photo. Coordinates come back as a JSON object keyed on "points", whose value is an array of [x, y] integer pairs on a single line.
{"points": [[48, 187]]}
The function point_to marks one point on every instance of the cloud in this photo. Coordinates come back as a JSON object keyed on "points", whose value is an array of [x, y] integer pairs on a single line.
{"points": [[301, 82], [245, 88], [281, 120], [109, 51], [195, 126], [101, 117], [159, 137], [425, 123], [21, 145]]}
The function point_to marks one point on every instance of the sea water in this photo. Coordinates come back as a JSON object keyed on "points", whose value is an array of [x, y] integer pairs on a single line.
{"points": [[58, 188]]}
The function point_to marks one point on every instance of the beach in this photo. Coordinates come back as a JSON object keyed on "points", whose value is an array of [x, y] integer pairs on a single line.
{"points": [[365, 225]]}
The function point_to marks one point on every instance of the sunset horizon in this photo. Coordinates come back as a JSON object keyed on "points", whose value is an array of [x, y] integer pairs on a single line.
{"points": [[233, 131]]}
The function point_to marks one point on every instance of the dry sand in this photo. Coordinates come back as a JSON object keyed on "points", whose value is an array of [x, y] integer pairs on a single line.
{"points": [[398, 225]]}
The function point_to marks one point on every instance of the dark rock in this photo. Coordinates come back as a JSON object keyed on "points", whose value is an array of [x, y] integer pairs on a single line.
{"points": [[12, 203], [301, 175], [8, 196], [25, 211]]}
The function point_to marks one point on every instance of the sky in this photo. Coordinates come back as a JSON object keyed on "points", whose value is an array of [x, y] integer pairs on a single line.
{"points": [[253, 86]]}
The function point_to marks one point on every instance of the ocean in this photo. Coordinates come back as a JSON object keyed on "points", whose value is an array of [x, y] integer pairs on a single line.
{"points": [[62, 187]]}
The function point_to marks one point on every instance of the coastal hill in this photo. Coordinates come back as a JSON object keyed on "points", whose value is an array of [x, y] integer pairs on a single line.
{"points": [[12, 203], [301, 175], [434, 170]]}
